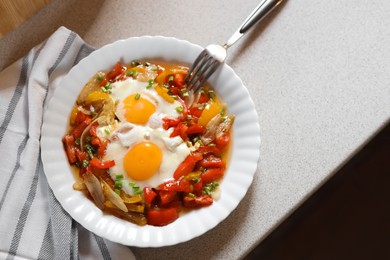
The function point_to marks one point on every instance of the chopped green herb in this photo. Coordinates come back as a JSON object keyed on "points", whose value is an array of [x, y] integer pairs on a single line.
{"points": [[118, 184], [77, 141], [150, 83], [211, 144], [136, 189], [99, 78], [154, 69], [224, 118], [184, 92], [85, 163], [210, 187], [222, 112], [118, 191], [107, 131], [171, 78], [90, 150], [192, 195], [189, 117], [118, 176], [179, 109], [196, 179], [137, 96]]}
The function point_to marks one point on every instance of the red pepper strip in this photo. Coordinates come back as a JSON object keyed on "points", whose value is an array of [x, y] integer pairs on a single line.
{"points": [[211, 174], [80, 117], [92, 129], [180, 129], [96, 141], [211, 161], [70, 148], [175, 185], [167, 196], [161, 216], [170, 122], [149, 195], [197, 187], [187, 165], [78, 130], [103, 82], [205, 149], [178, 80], [195, 129], [102, 147], [222, 140], [195, 111], [201, 201], [118, 69], [81, 156], [204, 98], [95, 162]]}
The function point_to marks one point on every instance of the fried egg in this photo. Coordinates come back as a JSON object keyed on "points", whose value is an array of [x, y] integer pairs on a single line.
{"points": [[143, 151], [140, 104]]}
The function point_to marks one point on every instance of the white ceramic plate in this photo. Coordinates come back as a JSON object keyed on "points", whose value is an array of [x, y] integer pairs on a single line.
{"points": [[239, 175]]}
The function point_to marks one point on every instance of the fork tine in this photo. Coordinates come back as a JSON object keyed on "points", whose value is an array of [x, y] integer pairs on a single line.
{"points": [[210, 70], [195, 66], [203, 67]]}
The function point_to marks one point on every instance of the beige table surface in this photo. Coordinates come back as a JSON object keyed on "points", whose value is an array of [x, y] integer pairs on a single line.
{"points": [[318, 72]]}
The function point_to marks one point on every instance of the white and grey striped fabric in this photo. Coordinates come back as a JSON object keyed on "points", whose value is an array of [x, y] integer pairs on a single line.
{"points": [[33, 224]]}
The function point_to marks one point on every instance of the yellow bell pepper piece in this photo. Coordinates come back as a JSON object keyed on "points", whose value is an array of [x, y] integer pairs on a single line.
{"points": [[163, 92], [211, 110], [96, 96]]}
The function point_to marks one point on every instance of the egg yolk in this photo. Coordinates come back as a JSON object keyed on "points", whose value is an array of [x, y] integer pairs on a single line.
{"points": [[142, 161], [138, 109]]}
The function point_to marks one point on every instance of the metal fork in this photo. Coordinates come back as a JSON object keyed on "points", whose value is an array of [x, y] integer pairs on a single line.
{"points": [[210, 58]]}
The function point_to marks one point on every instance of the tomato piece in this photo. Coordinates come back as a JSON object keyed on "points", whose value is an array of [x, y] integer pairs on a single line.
{"points": [[78, 130], [149, 195], [175, 185], [205, 149], [81, 156], [212, 174], [70, 148], [161, 216], [211, 161], [167, 196], [197, 201], [195, 129], [95, 162], [169, 122], [222, 140], [187, 165]]}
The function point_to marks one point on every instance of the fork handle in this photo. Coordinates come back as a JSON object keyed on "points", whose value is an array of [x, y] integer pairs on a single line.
{"points": [[261, 11]]}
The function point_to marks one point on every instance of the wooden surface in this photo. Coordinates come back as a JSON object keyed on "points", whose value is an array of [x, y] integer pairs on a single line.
{"points": [[14, 12], [347, 218]]}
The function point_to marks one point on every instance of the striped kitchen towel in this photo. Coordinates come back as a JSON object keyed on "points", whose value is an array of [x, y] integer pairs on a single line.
{"points": [[33, 224]]}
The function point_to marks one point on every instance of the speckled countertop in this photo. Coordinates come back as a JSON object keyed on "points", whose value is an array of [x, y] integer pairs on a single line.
{"points": [[318, 72]]}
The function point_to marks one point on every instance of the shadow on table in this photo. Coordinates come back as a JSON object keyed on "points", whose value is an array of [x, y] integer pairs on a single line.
{"points": [[347, 218]]}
